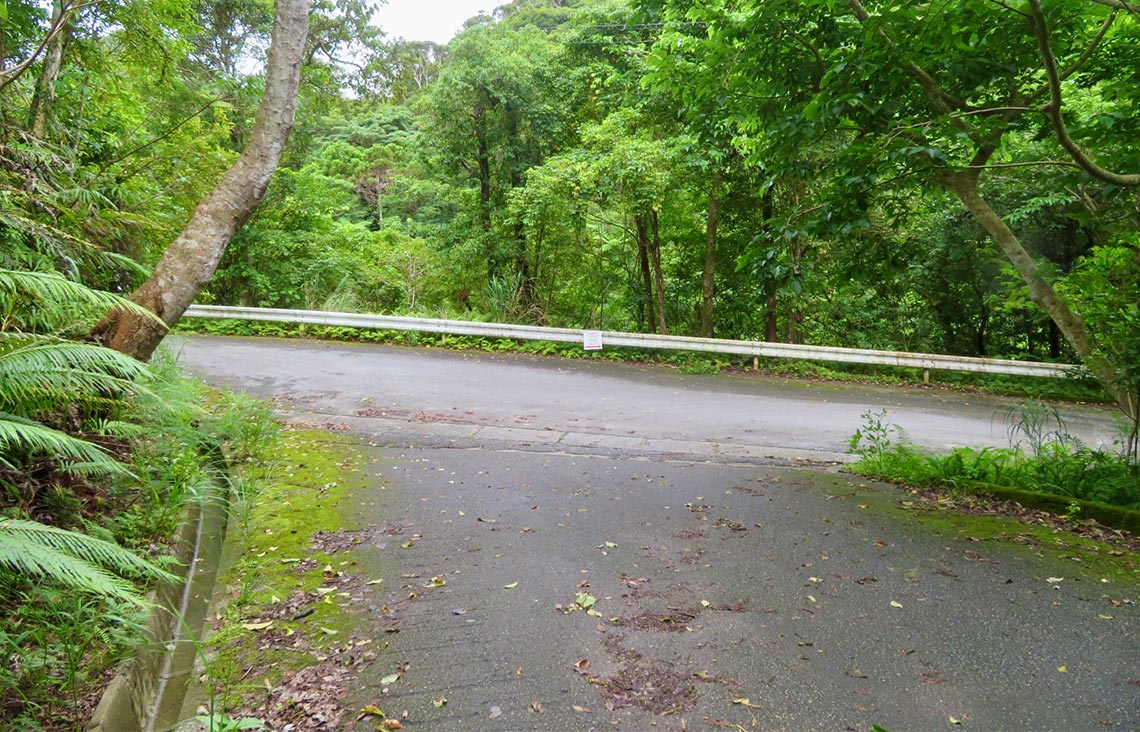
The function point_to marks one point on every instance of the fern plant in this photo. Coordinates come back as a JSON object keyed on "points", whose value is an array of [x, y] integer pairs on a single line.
{"points": [[78, 561], [46, 377], [43, 374]]}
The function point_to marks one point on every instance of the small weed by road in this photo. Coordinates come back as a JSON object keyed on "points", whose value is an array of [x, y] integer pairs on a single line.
{"points": [[1041, 458]]}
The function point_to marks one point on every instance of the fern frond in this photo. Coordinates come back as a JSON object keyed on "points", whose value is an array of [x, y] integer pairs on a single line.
{"points": [[58, 295], [22, 435], [51, 371], [119, 428], [72, 559]]}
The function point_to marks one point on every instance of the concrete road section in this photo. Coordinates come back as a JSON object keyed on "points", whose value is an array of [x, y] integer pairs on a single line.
{"points": [[588, 546], [616, 592]]}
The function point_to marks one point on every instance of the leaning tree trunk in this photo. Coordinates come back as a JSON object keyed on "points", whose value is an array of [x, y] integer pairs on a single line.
{"points": [[1072, 326], [189, 262], [43, 99], [650, 308], [658, 272]]}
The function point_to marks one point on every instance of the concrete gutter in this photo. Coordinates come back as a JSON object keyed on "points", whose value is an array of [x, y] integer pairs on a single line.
{"points": [[147, 692]]}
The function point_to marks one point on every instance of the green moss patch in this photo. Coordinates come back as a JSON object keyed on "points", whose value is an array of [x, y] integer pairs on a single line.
{"points": [[290, 627], [1073, 542]]}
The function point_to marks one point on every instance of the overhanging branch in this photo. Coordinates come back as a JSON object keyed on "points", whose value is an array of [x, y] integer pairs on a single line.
{"points": [[1052, 110]]}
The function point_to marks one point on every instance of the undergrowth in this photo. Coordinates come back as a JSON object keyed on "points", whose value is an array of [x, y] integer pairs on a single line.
{"points": [[55, 643], [1041, 457]]}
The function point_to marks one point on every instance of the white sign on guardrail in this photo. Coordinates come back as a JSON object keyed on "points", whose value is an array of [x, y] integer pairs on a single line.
{"points": [[761, 349]]}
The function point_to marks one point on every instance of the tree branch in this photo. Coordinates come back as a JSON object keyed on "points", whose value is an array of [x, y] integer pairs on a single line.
{"points": [[1119, 5], [159, 138], [1080, 62], [1026, 164], [58, 23], [1007, 6], [943, 102], [1052, 110]]}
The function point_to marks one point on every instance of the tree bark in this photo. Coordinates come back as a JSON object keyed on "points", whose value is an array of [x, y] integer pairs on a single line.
{"points": [[44, 97], [658, 273], [189, 262], [646, 273], [708, 282], [483, 161], [771, 325]]}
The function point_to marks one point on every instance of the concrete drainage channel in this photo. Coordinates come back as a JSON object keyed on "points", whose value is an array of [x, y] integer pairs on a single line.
{"points": [[147, 693]]}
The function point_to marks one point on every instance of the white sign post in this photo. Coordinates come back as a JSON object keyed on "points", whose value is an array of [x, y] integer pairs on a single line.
{"points": [[592, 340]]}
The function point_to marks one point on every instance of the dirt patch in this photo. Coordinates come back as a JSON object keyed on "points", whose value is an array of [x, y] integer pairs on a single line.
{"points": [[658, 686], [747, 490], [672, 620], [692, 556], [312, 698], [314, 679], [724, 523], [689, 534], [334, 542]]}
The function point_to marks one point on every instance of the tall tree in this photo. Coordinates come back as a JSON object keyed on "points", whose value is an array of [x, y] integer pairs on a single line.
{"points": [[189, 262], [490, 117]]}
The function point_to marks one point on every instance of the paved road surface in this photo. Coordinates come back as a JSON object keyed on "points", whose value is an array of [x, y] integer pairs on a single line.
{"points": [[719, 575], [577, 404]]}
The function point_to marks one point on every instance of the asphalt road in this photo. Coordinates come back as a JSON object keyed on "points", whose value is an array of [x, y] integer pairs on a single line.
{"points": [[603, 405], [622, 547]]}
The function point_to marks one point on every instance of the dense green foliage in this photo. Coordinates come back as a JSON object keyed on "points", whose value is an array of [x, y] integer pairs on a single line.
{"points": [[771, 170], [749, 170], [99, 456]]}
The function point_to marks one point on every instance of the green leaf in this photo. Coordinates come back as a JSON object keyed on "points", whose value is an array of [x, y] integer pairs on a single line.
{"points": [[73, 559]]}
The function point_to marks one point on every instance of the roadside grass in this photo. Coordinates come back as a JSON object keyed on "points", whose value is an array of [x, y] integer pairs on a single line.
{"points": [[1069, 389], [58, 645], [1043, 467]]}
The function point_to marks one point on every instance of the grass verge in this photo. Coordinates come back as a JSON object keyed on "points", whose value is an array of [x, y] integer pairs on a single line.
{"points": [[60, 646], [1043, 468], [286, 628]]}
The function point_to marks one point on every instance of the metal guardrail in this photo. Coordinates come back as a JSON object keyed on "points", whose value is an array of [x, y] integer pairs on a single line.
{"points": [[926, 361]]}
